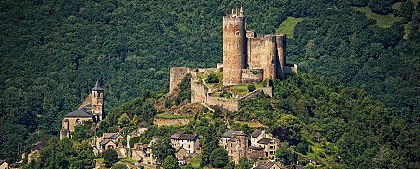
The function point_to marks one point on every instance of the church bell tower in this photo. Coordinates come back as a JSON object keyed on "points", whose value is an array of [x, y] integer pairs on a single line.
{"points": [[97, 102]]}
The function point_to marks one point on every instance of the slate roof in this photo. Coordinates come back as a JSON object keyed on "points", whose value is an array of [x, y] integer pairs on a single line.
{"points": [[110, 135], [104, 142], [38, 146], [85, 111], [264, 164], [230, 133], [97, 87], [264, 141], [182, 136], [2, 161], [177, 135], [256, 133]]}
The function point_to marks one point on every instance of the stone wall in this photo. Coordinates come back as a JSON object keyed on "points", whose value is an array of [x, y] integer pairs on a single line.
{"points": [[229, 104], [198, 91], [176, 76], [170, 122], [252, 75]]}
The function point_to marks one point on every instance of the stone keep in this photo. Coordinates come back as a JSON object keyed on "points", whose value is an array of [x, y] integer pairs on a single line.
{"points": [[244, 51]]}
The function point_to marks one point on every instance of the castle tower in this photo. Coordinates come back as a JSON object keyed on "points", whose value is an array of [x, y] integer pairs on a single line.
{"points": [[281, 52], [234, 47], [97, 102]]}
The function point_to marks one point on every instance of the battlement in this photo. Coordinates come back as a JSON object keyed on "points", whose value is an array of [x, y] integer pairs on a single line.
{"points": [[237, 13]]}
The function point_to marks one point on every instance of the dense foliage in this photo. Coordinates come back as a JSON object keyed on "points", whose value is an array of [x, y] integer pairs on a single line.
{"points": [[110, 157], [51, 53], [352, 128]]}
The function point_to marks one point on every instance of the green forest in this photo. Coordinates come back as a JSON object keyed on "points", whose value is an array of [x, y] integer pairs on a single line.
{"points": [[357, 96]]}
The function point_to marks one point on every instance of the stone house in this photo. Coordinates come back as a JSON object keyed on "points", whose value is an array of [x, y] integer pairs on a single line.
{"points": [[4, 164], [186, 146], [235, 143], [143, 153], [261, 139], [135, 133], [35, 150], [108, 141], [266, 164]]}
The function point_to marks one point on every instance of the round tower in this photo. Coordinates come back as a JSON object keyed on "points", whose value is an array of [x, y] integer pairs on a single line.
{"points": [[97, 102], [234, 47]]}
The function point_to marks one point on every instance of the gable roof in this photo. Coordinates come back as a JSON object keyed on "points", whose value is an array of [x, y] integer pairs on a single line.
{"points": [[230, 133], [264, 164], [39, 145], [110, 135], [256, 133], [264, 141], [2, 161], [182, 136], [79, 113]]}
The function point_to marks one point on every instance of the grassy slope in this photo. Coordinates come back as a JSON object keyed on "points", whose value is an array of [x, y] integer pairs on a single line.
{"points": [[398, 4], [384, 21], [288, 26]]}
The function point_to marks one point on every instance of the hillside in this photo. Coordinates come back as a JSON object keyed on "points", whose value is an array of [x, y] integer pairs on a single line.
{"points": [[52, 52]]}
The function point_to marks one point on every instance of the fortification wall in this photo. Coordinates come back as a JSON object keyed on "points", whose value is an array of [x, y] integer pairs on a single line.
{"points": [[176, 74], [231, 105], [198, 91], [268, 59], [169, 122], [256, 51], [252, 75]]}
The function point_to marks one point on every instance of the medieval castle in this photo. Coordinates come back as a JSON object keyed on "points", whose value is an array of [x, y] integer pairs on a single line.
{"points": [[247, 58]]}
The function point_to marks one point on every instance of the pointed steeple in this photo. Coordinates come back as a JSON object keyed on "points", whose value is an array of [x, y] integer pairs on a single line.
{"points": [[241, 12], [97, 87]]}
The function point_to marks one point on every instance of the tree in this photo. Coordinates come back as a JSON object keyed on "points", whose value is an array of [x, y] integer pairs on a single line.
{"points": [[286, 155], [83, 131], [119, 166], [162, 149], [124, 120], [245, 163], [84, 158], [219, 158], [212, 78], [251, 88], [110, 157], [406, 10], [170, 163]]}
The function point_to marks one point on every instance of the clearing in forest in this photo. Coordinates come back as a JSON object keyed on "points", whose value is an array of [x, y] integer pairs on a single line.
{"points": [[384, 21], [288, 26]]}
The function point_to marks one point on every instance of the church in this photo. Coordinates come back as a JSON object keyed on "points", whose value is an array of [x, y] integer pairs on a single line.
{"points": [[90, 110]]}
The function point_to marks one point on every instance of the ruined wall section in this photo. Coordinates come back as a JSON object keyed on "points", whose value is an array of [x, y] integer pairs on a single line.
{"points": [[170, 122], [229, 104], [234, 47], [199, 91], [269, 61], [252, 75], [176, 75]]}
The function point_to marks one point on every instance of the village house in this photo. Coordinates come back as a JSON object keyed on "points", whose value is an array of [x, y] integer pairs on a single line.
{"points": [[143, 153], [235, 143], [266, 164], [186, 146], [135, 133], [35, 150], [261, 140], [108, 141]]}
